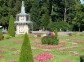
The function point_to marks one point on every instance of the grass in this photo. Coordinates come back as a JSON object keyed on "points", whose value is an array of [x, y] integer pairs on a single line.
{"points": [[10, 48]]}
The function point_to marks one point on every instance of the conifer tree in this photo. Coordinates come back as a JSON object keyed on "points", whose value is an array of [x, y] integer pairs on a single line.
{"points": [[45, 20], [35, 14], [11, 28], [26, 53]]}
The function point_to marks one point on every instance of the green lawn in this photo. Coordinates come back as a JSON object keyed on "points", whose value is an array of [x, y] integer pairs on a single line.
{"points": [[71, 50]]}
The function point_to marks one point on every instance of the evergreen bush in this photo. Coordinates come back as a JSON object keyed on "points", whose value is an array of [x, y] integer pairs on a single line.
{"points": [[11, 27], [26, 53]]}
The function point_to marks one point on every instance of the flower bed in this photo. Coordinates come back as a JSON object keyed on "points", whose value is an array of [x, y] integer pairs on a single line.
{"points": [[44, 56], [61, 44]]}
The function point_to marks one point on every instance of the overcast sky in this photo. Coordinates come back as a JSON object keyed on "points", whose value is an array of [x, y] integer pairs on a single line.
{"points": [[82, 1]]}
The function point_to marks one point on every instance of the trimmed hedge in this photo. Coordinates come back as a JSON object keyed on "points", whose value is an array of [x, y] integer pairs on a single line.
{"points": [[50, 40], [26, 51], [11, 27]]}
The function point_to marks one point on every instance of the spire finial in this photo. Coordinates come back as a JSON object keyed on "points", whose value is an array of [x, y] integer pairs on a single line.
{"points": [[22, 7], [22, 3]]}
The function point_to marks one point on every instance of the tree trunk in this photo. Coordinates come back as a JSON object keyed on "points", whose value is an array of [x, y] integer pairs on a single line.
{"points": [[65, 15], [79, 27]]}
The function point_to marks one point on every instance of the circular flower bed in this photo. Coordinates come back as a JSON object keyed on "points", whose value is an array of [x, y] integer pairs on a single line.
{"points": [[43, 56]]}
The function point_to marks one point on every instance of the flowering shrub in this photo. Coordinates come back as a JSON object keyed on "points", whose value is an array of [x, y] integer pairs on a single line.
{"points": [[51, 34], [43, 56], [51, 39]]}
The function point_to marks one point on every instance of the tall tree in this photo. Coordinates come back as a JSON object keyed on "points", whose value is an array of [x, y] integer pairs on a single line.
{"points": [[45, 20], [78, 15], [35, 14], [57, 10], [11, 27], [8, 7]]}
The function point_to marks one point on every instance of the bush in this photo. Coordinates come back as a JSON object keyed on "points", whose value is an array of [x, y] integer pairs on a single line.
{"points": [[59, 25], [1, 36], [81, 58], [50, 40], [7, 36], [11, 27]]}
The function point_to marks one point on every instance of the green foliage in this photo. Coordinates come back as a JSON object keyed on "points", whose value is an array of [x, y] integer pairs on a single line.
{"points": [[82, 58], [26, 52], [59, 25], [40, 14], [7, 36], [7, 8], [45, 20], [70, 11], [50, 40], [1, 36], [35, 14], [11, 27], [12, 7]]}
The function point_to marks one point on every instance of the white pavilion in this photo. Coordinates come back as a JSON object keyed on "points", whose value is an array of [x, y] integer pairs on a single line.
{"points": [[22, 21]]}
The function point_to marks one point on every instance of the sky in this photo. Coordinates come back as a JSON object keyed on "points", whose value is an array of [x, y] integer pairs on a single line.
{"points": [[82, 1]]}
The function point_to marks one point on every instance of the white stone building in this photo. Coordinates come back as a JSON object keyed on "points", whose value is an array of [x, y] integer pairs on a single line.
{"points": [[22, 21]]}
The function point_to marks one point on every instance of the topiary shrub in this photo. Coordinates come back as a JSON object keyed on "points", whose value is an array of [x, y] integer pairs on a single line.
{"points": [[26, 53], [1, 36], [11, 27], [51, 39]]}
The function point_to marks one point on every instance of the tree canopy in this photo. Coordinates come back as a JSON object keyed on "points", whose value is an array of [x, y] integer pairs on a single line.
{"points": [[70, 11]]}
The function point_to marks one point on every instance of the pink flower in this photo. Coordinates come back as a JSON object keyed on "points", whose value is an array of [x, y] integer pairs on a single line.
{"points": [[43, 56]]}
